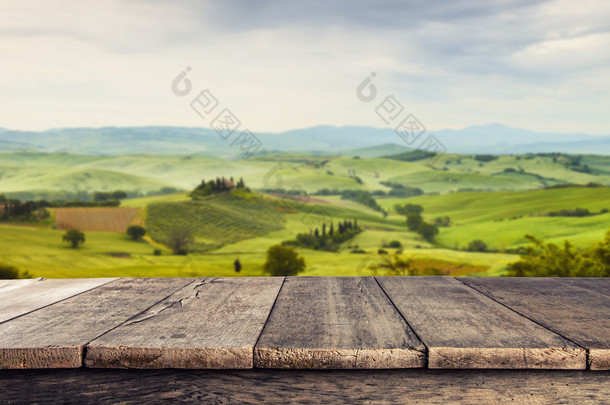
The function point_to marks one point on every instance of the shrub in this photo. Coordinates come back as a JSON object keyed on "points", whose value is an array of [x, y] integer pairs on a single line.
{"points": [[408, 209], [414, 220], [477, 245], [442, 221], [8, 272], [485, 158], [136, 232], [283, 261], [179, 240], [395, 244], [74, 237], [428, 231], [157, 252]]}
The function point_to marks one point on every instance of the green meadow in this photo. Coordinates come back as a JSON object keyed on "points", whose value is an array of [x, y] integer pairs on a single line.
{"points": [[499, 202]]}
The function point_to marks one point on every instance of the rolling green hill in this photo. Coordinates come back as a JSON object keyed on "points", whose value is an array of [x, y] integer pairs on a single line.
{"points": [[216, 220], [501, 219], [144, 173], [512, 200]]}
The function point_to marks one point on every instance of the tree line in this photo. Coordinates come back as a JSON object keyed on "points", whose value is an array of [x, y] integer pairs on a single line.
{"points": [[216, 186], [327, 237]]}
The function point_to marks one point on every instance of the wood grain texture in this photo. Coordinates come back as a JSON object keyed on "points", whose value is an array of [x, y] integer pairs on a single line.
{"points": [[463, 328], [336, 322], [579, 314], [211, 324], [54, 336], [597, 284], [415, 386], [37, 294], [7, 285]]}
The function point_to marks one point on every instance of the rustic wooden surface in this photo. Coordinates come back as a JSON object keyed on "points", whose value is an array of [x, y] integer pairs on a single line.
{"points": [[593, 284], [310, 322], [463, 328], [579, 314], [210, 323], [336, 322], [415, 386], [54, 336], [37, 293], [6, 285]]}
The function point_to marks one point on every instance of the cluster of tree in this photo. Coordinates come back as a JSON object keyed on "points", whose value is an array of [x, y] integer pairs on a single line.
{"points": [[416, 223], [327, 237], [442, 221], [36, 210], [294, 191], [485, 158], [398, 190], [402, 191], [219, 185], [575, 212], [566, 185], [103, 196], [78, 198], [283, 261], [161, 191], [477, 245], [550, 260], [364, 198], [513, 170], [412, 156], [395, 244], [23, 210], [327, 191], [10, 272], [408, 208]]}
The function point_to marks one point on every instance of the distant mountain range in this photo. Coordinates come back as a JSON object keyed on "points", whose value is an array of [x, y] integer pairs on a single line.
{"points": [[348, 140]]}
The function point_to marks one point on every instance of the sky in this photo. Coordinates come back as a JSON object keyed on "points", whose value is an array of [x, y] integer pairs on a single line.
{"points": [[280, 65]]}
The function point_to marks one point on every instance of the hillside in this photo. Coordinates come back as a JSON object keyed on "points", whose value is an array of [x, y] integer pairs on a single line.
{"points": [[25, 172], [502, 219], [216, 220], [324, 139]]}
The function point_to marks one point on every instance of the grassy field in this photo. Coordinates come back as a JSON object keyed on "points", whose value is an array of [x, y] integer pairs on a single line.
{"points": [[42, 253], [243, 226], [501, 219], [21, 172]]}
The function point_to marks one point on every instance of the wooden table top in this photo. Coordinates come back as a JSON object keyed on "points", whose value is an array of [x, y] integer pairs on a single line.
{"points": [[306, 323]]}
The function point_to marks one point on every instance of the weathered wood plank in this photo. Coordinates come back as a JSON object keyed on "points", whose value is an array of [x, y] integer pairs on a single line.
{"points": [[54, 336], [336, 322], [7, 285], [42, 292], [211, 324], [597, 284], [578, 314], [463, 328], [415, 386]]}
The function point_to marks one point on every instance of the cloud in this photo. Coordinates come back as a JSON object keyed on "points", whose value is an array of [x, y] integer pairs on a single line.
{"points": [[286, 64]]}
